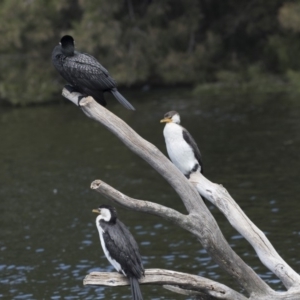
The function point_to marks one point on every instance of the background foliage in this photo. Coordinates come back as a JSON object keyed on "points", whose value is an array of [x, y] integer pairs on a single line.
{"points": [[187, 42]]}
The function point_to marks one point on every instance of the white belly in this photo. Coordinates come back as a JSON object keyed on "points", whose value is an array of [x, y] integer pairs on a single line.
{"points": [[114, 263], [180, 153]]}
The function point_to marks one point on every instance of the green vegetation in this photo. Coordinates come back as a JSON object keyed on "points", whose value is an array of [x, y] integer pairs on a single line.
{"points": [[210, 45]]}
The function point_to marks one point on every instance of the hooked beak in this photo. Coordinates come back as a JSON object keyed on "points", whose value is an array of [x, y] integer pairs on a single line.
{"points": [[166, 120]]}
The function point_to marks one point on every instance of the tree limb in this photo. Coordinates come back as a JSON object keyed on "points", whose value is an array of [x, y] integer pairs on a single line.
{"points": [[219, 196], [191, 283], [204, 226], [140, 205]]}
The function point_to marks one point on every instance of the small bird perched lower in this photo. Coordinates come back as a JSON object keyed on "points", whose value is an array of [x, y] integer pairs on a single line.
{"points": [[120, 247], [182, 148], [84, 72]]}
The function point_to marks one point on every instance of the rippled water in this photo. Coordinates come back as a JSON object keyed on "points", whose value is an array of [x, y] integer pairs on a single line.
{"points": [[49, 156]]}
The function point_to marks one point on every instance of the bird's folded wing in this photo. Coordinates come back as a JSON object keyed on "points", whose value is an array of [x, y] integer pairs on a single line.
{"points": [[87, 71]]}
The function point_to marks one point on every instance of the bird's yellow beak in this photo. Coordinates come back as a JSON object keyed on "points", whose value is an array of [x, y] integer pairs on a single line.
{"points": [[96, 210], [166, 120]]}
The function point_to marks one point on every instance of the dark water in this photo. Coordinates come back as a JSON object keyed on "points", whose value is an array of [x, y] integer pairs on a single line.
{"points": [[49, 156]]}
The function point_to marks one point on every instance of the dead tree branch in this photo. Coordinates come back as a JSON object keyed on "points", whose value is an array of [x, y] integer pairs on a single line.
{"points": [[199, 220], [219, 196], [140, 205], [188, 284]]}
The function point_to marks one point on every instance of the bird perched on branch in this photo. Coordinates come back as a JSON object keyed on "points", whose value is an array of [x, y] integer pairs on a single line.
{"points": [[84, 72], [182, 148], [120, 247]]}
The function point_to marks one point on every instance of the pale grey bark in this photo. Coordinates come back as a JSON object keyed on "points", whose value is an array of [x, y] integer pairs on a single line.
{"points": [[199, 220], [188, 284], [219, 196]]}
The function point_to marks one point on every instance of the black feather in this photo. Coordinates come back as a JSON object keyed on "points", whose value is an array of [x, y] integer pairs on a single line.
{"points": [[189, 139], [85, 73], [135, 289], [123, 248]]}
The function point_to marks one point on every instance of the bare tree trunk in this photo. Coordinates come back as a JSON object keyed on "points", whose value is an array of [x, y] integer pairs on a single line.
{"points": [[199, 220]]}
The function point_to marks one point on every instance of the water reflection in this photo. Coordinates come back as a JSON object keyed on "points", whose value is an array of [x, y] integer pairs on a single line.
{"points": [[49, 156]]}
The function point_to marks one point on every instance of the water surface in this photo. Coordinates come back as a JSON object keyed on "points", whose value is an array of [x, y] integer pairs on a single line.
{"points": [[50, 154]]}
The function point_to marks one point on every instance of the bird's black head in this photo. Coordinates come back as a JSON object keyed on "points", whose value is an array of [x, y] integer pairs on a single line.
{"points": [[107, 213], [67, 45]]}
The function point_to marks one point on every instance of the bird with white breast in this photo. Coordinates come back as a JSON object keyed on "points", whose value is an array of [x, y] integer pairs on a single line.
{"points": [[181, 147], [120, 247]]}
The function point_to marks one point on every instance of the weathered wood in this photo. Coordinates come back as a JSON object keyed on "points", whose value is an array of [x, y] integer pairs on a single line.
{"points": [[139, 146], [204, 226], [141, 205], [219, 196], [182, 220], [186, 284], [199, 220], [178, 290], [191, 284]]}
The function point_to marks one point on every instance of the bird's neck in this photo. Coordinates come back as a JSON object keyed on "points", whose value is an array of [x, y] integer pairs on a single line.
{"points": [[172, 131], [68, 50], [173, 125]]}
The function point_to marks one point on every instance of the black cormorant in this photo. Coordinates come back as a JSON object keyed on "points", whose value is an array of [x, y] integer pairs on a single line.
{"points": [[120, 247], [182, 148], [84, 72]]}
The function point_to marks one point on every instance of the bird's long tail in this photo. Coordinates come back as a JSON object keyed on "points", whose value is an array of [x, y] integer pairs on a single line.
{"points": [[121, 99], [135, 289]]}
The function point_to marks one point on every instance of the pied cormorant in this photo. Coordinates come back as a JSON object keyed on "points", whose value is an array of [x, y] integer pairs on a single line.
{"points": [[84, 72], [182, 148], [120, 247]]}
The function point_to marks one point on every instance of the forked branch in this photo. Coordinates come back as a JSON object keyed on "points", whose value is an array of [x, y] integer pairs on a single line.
{"points": [[219, 196], [199, 219]]}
